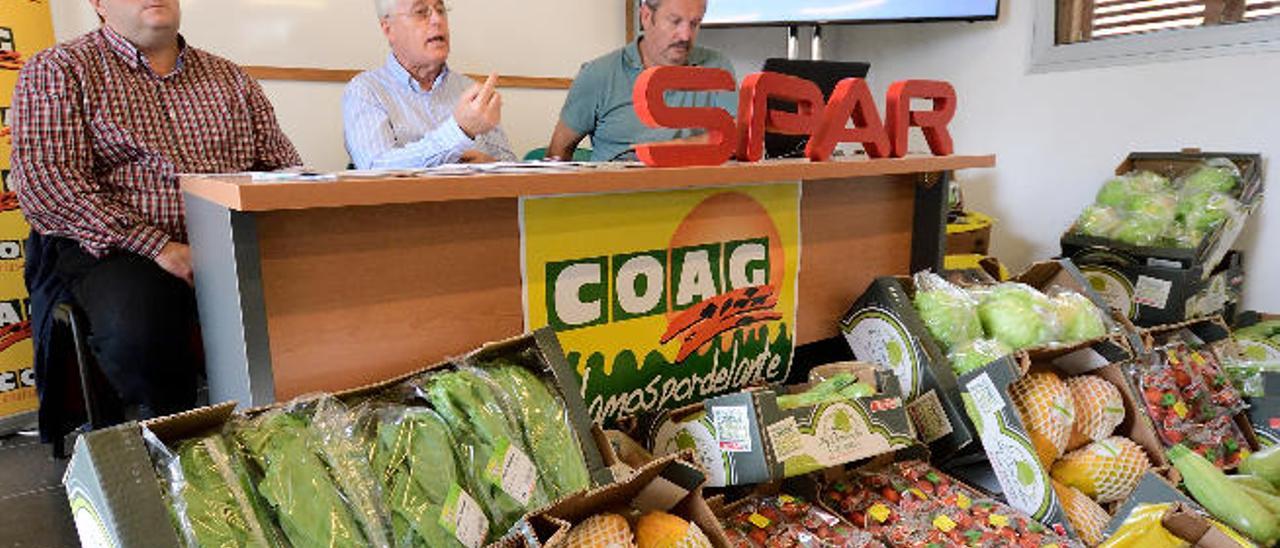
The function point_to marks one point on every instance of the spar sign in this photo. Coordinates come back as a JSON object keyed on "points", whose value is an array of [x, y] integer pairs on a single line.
{"points": [[665, 298]]}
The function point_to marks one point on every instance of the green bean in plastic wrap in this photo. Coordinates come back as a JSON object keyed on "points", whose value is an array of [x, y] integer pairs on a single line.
{"points": [[413, 456], [300, 484], [547, 433], [211, 496], [469, 404]]}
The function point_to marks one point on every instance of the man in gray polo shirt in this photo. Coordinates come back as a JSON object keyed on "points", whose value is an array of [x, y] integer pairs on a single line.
{"points": [[599, 103]]}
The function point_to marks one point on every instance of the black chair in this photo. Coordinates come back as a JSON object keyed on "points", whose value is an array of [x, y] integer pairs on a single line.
{"points": [[102, 407]]}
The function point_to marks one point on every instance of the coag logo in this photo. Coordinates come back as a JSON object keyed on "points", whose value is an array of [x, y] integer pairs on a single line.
{"points": [[672, 297], [651, 282], [704, 287]]}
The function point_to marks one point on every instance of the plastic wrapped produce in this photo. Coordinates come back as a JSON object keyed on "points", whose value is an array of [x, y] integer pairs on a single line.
{"points": [[1149, 181], [1159, 206], [301, 485], [211, 495], [412, 455], [910, 504], [1192, 401], [948, 312], [1119, 192], [1218, 175], [1045, 404], [1078, 318], [840, 387], [1228, 502], [977, 353], [1144, 529], [491, 448], [1202, 213], [1099, 409], [553, 445], [1181, 236], [1099, 221], [1140, 231], [1018, 315], [1106, 471], [784, 520]]}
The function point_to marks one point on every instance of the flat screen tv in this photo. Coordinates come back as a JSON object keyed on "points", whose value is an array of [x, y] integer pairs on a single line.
{"points": [[739, 13]]}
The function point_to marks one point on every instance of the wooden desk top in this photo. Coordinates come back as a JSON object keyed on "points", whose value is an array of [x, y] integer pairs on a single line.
{"points": [[239, 192]]}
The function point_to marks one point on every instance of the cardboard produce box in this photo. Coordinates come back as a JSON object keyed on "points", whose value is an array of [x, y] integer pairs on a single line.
{"points": [[1214, 247], [745, 438], [884, 327], [670, 484], [1153, 295], [907, 502], [116, 497], [1024, 481], [1180, 516]]}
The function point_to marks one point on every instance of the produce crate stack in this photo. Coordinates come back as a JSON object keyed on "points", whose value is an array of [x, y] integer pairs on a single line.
{"points": [[1156, 243]]}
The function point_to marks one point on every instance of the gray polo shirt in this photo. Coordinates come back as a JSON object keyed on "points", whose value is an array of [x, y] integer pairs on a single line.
{"points": [[599, 103]]}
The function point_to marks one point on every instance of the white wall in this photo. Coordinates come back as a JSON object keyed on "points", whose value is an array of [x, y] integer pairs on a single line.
{"points": [[512, 37], [1057, 136]]}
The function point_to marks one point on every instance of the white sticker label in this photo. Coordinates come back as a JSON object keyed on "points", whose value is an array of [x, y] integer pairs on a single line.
{"points": [[733, 428], [786, 438], [464, 518], [511, 469], [1152, 292], [985, 396]]}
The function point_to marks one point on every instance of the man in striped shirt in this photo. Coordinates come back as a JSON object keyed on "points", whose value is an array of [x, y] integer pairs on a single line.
{"points": [[414, 111], [102, 126]]}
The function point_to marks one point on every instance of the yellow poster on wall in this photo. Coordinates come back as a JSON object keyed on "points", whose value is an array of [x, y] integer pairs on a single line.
{"points": [[665, 298], [25, 28]]}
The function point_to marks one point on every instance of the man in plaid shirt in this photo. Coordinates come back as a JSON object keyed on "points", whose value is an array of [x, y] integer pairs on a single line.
{"points": [[102, 126]]}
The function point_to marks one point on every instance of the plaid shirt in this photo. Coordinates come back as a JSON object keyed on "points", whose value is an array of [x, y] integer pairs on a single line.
{"points": [[99, 139]]}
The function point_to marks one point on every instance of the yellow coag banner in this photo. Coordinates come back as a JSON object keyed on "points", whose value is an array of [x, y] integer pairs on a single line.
{"points": [[665, 298], [25, 28]]}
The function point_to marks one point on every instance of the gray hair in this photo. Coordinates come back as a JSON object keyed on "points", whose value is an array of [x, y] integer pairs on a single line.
{"points": [[384, 7], [653, 4]]}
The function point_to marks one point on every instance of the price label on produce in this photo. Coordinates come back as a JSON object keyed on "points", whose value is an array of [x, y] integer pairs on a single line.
{"points": [[463, 518], [787, 440], [513, 471], [733, 428], [1152, 292], [986, 398]]}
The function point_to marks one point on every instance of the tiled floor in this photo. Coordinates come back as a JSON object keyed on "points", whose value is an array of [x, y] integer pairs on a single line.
{"points": [[33, 506]]}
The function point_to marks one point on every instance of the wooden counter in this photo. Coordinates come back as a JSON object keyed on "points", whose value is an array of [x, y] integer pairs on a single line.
{"points": [[323, 285]]}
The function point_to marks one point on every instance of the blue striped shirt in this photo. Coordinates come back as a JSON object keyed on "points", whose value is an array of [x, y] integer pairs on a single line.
{"points": [[391, 122]]}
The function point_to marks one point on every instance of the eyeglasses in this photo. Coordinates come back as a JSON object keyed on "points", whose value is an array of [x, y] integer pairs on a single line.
{"points": [[424, 12]]}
